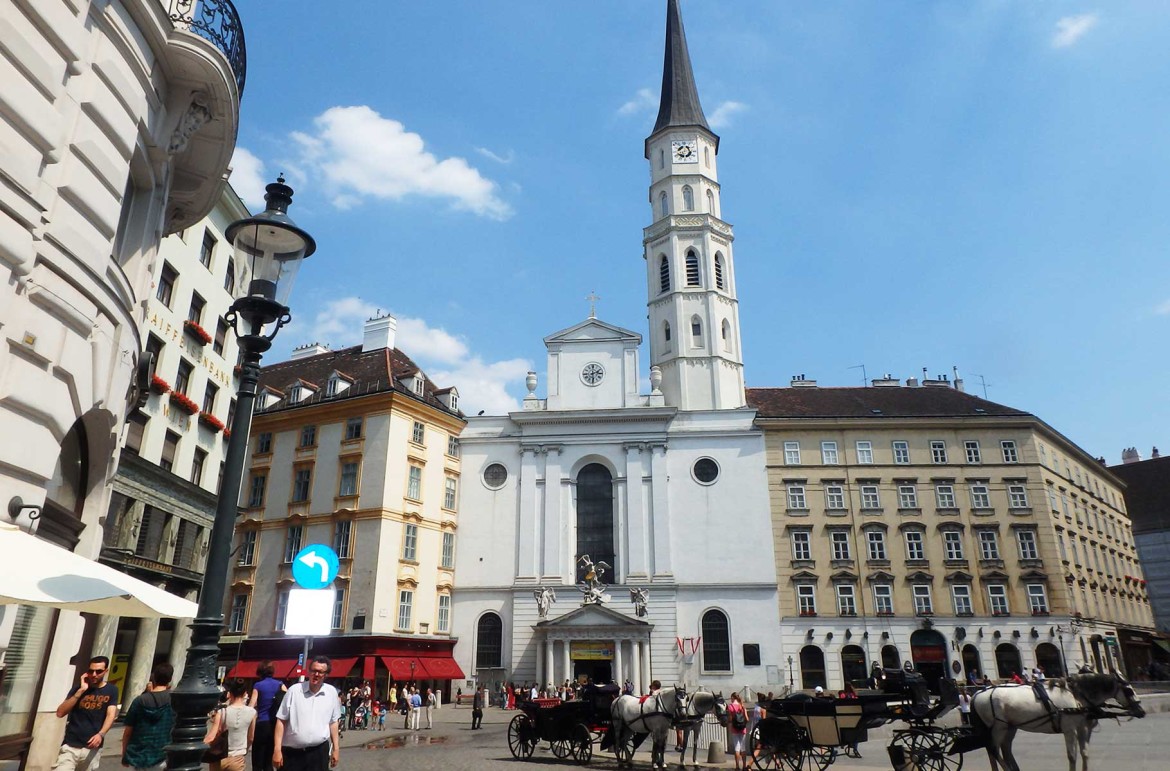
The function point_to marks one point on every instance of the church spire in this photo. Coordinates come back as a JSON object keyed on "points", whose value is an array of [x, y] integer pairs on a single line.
{"points": [[680, 99]]}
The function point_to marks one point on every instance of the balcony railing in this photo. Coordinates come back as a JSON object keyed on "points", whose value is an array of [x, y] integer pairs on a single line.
{"points": [[217, 22]]}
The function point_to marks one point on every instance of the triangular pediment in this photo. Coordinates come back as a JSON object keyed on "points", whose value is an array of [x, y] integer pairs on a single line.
{"points": [[960, 577], [879, 576], [594, 330], [592, 616]]}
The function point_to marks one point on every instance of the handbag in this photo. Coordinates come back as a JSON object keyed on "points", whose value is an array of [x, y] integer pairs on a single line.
{"points": [[217, 748]]}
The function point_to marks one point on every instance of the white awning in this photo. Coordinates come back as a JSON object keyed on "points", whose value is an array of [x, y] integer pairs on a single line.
{"points": [[36, 572]]}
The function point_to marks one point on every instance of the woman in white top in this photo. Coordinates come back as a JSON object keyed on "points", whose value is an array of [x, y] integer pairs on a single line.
{"points": [[240, 722]]}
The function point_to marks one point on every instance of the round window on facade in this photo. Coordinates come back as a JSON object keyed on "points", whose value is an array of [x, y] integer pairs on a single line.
{"points": [[495, 475], [706, 471]]}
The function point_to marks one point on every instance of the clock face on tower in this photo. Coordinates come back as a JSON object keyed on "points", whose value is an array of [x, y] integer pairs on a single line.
{"points": [[685, 151], [592, 373]]}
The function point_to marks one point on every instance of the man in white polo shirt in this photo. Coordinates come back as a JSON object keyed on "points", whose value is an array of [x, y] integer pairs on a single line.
{"points": [[307, 722]]}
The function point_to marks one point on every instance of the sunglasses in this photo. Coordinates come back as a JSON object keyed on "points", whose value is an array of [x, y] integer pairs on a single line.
{"points": [[97, 671], [317, 673]]}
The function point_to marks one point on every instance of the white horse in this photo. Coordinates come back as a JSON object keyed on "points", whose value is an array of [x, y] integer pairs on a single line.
{"points": [[695, 707], [1076, 704], [633, 716]]}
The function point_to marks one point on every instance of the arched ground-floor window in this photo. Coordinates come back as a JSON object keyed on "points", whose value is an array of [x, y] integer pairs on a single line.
{"points": [[489, 642], [1007, 660], [812, 667], [1048, 659], [853, 667], [716, 642], [891, 659]]}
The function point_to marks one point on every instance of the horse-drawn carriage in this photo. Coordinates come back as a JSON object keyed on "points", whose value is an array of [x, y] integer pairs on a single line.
{"points": [[570, 727]]}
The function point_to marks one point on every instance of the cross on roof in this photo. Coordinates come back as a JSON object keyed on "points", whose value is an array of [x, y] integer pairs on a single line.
{"points": [[592, 298]]}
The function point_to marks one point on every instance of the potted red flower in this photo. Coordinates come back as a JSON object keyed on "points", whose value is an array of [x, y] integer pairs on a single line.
{"points": [[227, 433], [212, 422], [158, 385], [196, 331], [184, 402]]}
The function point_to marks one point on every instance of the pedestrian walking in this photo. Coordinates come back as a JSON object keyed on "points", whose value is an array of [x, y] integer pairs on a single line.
{"points": [[267, 694], [429, 706], [238, 720], [306, 724], [149, 722], [477, 708], [89, 709], [737, 722], [416, 703], [964, 706]]}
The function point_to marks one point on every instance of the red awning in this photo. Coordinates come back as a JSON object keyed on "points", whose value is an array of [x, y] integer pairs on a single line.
{"points": [[443, 669], [400, 668], [368, 663], [281, 670], [244, 669], [342, 665]]}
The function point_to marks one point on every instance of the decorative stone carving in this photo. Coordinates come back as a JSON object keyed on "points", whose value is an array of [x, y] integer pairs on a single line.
{"points": [[655, 381], [592, 587], [545, 597], [197, 115], [640, 597]]}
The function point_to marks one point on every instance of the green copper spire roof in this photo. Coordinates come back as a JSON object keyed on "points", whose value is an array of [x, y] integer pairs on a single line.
{"points": [[680, 99]]}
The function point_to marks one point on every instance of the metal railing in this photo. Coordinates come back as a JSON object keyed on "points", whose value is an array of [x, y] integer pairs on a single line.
{"points": [[217, 22]]}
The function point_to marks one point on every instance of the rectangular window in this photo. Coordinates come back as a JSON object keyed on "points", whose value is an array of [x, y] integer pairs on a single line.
{"points": [[883, 599], [980, 495], [870, 499], [1043, 455], [997, 594], [846, 600], [448, 558], [792, 453], [414, 484], [876, 544], [247, 550], [405, 600], [915, 547], [801, 545], [209, 394], [806, 600], [923, 606], [418, 432], [953, 544], [154, 346], [453, 446], [410, 542], [308, 436], [197, 464], [207, 249], [183, 377], [907, 497], [1037, 600], [195, 312], [961, 597], [972, 449], [348, 485], [988, 545], [256, 490], [865, 452], [796, 497], [338, 607], [444, 624], [169, 450], [264, 443], [829, 453], [166, 288], [221, 330], [281, 610], [901, 452], [938, 452], [1026, 539], [239, 613], [1010, 454], [342, 533], [450, 492], [331, 387], [945, 496], [834, 497], [292, 542], [840, 541], [302, 481], [353, 428], [1018, 496]]}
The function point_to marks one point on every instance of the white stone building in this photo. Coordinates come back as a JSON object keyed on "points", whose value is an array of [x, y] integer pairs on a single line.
{"points": [[118, 126], [668, 489]]}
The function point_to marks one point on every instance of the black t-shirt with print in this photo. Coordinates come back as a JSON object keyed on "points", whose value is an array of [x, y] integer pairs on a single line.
{"points": [[89, 714]]}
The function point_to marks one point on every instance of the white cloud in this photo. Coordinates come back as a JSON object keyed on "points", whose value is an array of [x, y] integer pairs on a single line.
{"points": [[361, 154], [1163, 309], [643, 101], [504, 159], [248, 178], [1070, 29], [445, 357], [721, 118]]}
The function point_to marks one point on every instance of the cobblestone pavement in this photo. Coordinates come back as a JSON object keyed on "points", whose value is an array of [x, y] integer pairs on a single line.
{"points": [[1135, 745]]}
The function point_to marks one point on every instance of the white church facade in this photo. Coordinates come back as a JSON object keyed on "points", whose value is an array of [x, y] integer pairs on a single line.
{"points": [[665, 492]]}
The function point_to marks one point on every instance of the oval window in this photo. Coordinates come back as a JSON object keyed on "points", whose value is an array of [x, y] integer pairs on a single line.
{"points": [[706, 470], [495, 475]]}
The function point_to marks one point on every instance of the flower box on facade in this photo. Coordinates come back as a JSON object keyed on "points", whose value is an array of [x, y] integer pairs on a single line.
{"points": [[212, 422], [158, 385], [808, 613], [1000, 613], [227, 433], [885, 613], [1040, 613], [196, 331], [184, 402]]}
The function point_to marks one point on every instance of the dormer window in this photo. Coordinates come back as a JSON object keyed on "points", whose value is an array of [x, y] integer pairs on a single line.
{"points": [[453, 400], [336, 384], [296, 393]]}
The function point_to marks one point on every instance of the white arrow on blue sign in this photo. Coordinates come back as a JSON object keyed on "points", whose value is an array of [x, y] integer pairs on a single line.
{"points": [[315, 566]]}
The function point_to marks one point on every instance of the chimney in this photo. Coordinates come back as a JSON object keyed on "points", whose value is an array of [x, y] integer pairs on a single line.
{"points": [[889, 381], [1130, 455], [958, 380], [799, 381], [379, 333], [307, 350], [1155, 454], [911, 382]]}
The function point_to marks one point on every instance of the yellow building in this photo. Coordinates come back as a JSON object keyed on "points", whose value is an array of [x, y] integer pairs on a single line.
{"points": [[356, 449], [920, 523]]}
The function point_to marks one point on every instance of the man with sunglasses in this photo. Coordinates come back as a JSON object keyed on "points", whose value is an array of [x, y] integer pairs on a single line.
{"points": [[90, 710], [307, 723]]}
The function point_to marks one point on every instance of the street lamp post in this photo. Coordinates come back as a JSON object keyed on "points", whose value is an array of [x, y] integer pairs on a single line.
{"points": [[269, 249]]}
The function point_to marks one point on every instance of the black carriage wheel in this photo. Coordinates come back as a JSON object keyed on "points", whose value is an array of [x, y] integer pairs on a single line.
{"points": [[625, 748], [562, 748], [582, 742], [820, 758], [764, 756], [926, 748], [521, 737]]}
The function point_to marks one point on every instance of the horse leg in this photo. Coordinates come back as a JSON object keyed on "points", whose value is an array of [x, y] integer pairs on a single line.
{"points": [[1009, 757], [1070, 747], [1083, 736]]}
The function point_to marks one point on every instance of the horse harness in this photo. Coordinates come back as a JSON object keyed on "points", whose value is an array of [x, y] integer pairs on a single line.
{"points": [[1055, 713], [657, 699]]}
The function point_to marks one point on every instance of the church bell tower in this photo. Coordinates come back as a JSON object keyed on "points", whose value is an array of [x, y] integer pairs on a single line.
{"points": [[690, 268]]}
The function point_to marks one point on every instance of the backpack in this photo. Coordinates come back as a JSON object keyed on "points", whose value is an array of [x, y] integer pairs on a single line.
{"points": [[738, 720]]}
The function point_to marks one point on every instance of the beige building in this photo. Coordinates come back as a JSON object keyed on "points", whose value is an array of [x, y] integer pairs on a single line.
{"points": [[356, 449], [920, 523]]}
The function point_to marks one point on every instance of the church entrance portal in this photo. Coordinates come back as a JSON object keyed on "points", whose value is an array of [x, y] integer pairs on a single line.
{"points": [[599, 672]]}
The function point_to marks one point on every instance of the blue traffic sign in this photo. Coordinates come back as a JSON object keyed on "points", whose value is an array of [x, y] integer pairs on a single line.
{"points": [[315, 566]]}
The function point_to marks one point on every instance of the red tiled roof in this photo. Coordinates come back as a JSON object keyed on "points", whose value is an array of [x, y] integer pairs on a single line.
{"points": [[873, 402]]}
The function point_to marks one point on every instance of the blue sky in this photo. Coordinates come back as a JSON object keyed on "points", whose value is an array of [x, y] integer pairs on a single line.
{"points": [[913, 184]]}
